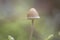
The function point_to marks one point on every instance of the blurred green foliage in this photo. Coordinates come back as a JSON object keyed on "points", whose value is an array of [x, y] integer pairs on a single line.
{"points": [[16, 28]]}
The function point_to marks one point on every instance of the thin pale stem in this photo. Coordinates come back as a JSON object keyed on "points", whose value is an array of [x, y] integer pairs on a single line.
{"points": [[32, 29]]}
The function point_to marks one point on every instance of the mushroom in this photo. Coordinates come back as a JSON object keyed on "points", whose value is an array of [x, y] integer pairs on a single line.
{"points": [[32, 14]]}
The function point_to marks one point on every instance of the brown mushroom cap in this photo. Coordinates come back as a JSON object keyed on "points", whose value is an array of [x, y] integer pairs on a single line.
{"points": [[33, 14]]}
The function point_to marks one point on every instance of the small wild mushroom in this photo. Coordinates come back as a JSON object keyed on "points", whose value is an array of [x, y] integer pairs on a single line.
{"points": [[32, 14]]}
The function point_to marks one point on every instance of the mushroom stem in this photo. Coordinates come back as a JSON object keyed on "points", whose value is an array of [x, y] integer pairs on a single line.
{"points": [[32, 29]]}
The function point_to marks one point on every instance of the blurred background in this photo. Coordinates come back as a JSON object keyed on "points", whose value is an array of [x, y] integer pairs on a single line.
{"points": [[14, 22]]}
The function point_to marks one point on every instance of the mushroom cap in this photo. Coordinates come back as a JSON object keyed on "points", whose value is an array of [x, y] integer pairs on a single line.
{"points": [[33, 14]]}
